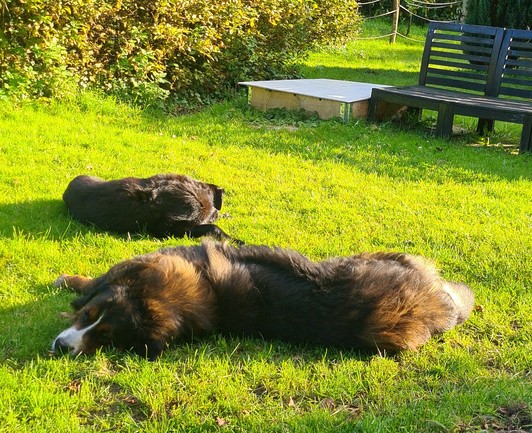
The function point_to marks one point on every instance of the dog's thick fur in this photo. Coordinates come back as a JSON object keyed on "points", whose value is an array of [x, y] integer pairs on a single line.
{"points": [[161, 205], [382, 301]]}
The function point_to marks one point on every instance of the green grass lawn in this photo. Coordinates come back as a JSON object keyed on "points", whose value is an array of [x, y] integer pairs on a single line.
{"points": [[321, 187]]}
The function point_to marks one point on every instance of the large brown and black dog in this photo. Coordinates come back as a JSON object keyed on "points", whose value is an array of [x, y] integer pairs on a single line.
{"points": [[382, 301], [162, 205]]}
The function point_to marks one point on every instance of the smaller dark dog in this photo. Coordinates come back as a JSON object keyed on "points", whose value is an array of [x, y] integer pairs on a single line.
{"points": [[162, 205]]}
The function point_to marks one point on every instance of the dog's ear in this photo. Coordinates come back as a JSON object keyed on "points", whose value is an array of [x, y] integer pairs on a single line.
{"points": [[84, 286], [88, 289], [218, 196], [78, 303]]}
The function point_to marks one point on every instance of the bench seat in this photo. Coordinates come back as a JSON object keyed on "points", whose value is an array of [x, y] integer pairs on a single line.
{"points": [[450, 103]]}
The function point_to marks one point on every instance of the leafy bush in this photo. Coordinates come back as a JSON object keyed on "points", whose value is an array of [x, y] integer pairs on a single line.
{"points": [[150, 50], [515, 14]]}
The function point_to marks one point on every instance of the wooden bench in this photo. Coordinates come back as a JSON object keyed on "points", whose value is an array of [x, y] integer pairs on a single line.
{"points": [[469, 70]]}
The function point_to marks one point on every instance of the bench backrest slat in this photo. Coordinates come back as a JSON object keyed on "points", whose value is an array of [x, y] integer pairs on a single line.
{"points": [[514, 65], [445, 58], [484, 46], [436, 74], [462, 51], [456, 65], [471, 86]]}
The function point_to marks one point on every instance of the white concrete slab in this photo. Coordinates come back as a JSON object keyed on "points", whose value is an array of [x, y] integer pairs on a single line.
{"points": [[323, 88]]}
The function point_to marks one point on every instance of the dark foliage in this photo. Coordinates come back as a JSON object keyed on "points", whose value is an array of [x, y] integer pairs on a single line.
{"points": [[515, 14]]}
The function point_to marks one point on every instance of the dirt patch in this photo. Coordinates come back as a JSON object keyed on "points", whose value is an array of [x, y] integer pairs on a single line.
{"points": [[512, 418]]}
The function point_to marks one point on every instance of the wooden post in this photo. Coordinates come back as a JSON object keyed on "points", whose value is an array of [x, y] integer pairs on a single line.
{"points": [[395, 24], [464, 11]]}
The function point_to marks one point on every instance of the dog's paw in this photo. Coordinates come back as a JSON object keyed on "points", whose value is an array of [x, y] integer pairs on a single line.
{"points": [[61, 281]]}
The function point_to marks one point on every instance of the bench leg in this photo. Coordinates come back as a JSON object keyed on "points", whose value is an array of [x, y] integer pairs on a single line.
{"points": [[485, 126], [372, 110], [526, 135], [444, 125], [416, 112]]}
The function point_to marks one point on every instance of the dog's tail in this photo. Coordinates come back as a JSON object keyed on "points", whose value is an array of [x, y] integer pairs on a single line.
{"points": [[463, 298]]}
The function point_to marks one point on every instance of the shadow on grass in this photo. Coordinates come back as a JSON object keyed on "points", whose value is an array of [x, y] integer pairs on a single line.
{"points": [[389, 77], [47, 219], [36, 217], [372, 148], [402, 151]]}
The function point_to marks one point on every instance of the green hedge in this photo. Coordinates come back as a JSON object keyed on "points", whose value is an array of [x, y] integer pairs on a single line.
{"points": [[152, 49], [515, 14]]}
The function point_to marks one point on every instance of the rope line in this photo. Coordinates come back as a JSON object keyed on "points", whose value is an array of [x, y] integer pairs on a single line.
{"points": [[368, 2], [380, 15], [424, 18], [427, 8], [373, 37], [387, 36], [438, 4], [409, 38]]}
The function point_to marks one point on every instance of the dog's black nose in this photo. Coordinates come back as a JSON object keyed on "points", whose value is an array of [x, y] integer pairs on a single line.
{"points": [[59, 346]]}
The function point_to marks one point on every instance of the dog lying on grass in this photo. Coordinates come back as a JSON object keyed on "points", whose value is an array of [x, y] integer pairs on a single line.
{"points": [[382, 301], [162, 205]]}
